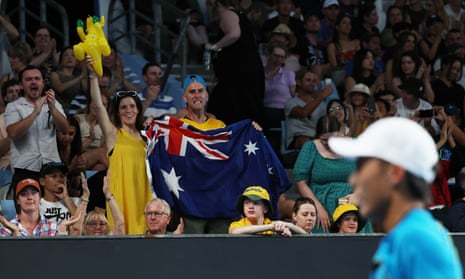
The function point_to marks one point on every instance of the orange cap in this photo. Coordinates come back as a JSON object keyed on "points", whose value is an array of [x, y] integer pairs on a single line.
{"points": [[25, 183]]}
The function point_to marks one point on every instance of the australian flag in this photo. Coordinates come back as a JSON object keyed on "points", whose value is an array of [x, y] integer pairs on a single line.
{"points": [[202, 173]]}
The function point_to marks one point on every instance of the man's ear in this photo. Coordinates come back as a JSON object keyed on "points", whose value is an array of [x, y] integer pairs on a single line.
{"points": [[396, 173]]}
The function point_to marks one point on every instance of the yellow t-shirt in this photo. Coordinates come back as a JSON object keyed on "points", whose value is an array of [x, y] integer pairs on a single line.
{"points": [[245, 222], [210, 124]]}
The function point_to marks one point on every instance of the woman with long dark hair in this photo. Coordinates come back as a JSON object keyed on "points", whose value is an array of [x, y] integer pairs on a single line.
{"points": [[126, 148], [411, 65], [342, 48], [364, 71]]}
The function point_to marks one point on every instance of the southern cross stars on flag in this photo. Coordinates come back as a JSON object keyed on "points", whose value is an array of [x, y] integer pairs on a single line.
{"points": [[202, 173]]}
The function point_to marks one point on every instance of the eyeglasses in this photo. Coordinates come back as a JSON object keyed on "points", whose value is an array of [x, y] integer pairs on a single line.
{"points": [[122, 94], [333, 109], [277, 56], [96, 224], [155, 213]]}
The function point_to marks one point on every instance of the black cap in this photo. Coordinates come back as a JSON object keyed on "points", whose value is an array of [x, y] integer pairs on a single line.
{"points": [[51, 166], [413, 86]]}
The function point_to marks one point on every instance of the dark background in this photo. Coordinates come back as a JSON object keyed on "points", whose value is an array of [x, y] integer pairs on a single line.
{"points": [[208, 256]]}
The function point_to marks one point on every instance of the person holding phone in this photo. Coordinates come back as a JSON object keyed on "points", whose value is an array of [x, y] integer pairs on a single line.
{"points": [[410, 104], [303, 111], [361, 104]]}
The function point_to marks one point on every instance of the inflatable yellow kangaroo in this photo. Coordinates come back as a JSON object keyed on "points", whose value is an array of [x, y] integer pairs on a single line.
{"points": [[94, 43]]}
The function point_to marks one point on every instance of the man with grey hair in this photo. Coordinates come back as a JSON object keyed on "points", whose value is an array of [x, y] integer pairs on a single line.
{"points": [[157, 217], [396, 162]]}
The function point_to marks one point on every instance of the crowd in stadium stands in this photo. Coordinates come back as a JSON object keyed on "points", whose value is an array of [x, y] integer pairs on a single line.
{"points": [[73, 158]]}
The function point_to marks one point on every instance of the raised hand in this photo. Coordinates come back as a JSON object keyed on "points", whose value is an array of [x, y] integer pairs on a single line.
{"points": [[14, 229], [63, 227]]}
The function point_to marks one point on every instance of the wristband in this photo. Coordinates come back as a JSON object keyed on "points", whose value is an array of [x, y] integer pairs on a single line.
{"points": [[62, 233], [110, 198], [83, 200]]}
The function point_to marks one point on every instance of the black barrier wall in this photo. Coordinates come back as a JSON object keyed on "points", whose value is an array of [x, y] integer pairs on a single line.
{"points": [[192, 257]]}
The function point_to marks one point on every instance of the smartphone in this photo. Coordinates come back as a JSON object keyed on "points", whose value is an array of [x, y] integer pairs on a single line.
{"points": [[426, 113], [371, 105]]}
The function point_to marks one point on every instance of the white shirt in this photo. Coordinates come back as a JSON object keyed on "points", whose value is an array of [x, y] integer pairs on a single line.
{"points": [[38, 146], [406, 112], [55, 211]]}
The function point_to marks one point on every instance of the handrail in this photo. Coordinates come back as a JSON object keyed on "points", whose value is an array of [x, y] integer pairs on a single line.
{"points": [[159, 30], [25, 14]]}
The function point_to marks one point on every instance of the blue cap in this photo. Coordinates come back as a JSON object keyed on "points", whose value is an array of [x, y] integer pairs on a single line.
{"points": [[194, 78]]}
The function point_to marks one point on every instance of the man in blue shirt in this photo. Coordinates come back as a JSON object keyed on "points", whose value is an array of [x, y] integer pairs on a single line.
{"points": [[396, 162], [154, 102]]}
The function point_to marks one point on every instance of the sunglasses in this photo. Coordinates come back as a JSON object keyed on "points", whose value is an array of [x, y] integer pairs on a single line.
{"points": [[122, 94]]}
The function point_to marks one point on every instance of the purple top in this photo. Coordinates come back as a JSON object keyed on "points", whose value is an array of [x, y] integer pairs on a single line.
{"points": [[278, 89]]}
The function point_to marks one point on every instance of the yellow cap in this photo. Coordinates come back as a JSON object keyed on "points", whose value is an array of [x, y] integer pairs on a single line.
{"points": [[343, 208], [255, 193]]}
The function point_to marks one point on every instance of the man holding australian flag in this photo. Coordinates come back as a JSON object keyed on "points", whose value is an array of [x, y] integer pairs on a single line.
{"points": [[200, 166]]}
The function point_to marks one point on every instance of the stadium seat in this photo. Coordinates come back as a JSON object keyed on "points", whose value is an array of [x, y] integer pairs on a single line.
{"points": [[288, 155], [7, 207]]}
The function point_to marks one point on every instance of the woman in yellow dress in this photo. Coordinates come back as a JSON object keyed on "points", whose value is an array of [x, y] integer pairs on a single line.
{"points": [[125, 147]]}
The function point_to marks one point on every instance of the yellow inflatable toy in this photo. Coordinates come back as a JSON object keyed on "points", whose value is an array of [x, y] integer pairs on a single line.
{"points": [[95, 43]]}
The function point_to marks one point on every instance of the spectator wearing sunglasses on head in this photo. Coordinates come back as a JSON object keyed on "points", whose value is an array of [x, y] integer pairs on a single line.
{"points": [[125, 147]]}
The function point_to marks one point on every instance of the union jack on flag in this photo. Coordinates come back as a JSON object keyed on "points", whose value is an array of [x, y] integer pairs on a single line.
{"points": [[202, 173]]}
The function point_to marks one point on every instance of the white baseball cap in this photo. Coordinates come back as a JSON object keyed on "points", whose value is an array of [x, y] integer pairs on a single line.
{"points": [[396, 140], [329, 3]]}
